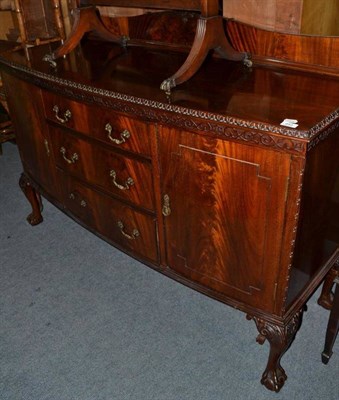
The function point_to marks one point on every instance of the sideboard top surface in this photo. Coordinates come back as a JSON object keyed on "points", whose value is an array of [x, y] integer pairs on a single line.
{"points": [[222, 91]]}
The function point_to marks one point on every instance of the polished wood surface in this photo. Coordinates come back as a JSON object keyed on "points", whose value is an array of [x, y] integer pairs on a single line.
{"points": [[96, 122], [114, 220], [286, 50], [224, 198], [26, 104], [271, 94], [209, 34], [234, 188], [125, 177]]}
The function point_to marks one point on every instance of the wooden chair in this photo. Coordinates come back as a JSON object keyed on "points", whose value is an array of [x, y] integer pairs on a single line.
{"points": [[333, 325], [39, 21], [326, 297]]}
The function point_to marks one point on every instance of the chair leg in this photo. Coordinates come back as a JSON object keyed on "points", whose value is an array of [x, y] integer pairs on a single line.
{"points": [[332, 327], [326, 297]]}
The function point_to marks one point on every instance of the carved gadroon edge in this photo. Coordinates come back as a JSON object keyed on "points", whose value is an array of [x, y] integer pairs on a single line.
{"points": [[322, 136], [280, 338], [212, 122]]}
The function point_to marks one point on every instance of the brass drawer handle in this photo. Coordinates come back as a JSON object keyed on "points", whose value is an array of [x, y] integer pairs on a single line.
{"points": [[71, 160], [83, 203], [66, 117], [129, 182], [124, 135], [134, 234]]}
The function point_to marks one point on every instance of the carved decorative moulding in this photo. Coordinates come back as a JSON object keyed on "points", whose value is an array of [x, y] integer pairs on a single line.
{"points": [[221, 125], [280, 338]]}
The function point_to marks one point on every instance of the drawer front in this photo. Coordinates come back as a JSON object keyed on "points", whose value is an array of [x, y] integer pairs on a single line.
{"points": [[122, 176], [129, 229], [103, 124], [79, 200]]}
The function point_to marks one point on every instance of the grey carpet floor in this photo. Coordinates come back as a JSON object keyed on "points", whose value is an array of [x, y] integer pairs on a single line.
{"points": [[79, 320]]}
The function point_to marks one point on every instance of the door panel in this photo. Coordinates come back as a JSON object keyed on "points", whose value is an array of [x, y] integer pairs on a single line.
{"points": [[25, 104], [227, 212]]}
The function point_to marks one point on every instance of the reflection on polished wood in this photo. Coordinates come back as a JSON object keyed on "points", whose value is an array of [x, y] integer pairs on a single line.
{"points": [[210, 34], [286, 50]]}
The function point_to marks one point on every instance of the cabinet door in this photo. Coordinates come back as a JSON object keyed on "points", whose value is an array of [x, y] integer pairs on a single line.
{"points": [[26, 108], [227, 203]]}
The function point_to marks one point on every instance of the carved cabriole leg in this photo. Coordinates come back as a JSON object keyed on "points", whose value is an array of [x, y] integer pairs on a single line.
{"points": [[34, 198], [280, 338], [326, 297]]}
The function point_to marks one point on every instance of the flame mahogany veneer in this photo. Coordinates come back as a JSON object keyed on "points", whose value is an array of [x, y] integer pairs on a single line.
{"points": [[206, 186]]}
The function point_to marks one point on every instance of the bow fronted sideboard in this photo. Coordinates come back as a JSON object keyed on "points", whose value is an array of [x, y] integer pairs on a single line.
{"points": [[228, 185]]}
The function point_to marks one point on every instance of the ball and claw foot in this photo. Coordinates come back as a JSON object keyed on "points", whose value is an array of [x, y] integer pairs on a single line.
{"points": [[34, 219], [280, 337], [274, 380]]}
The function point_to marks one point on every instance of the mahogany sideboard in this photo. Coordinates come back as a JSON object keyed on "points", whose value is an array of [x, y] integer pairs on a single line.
{"points": [[205, 186]]}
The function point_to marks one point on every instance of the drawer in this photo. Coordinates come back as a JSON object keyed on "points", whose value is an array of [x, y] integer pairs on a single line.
{"points": [[122, 176], [79, 200], [99, 123], [130, 230]]}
